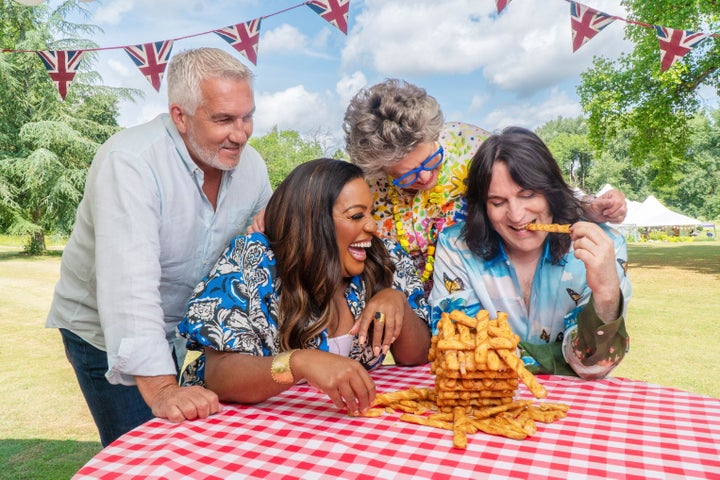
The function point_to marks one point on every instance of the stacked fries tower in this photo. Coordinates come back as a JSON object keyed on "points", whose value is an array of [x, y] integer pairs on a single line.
{"points": [[475, 362], [476, 369]]}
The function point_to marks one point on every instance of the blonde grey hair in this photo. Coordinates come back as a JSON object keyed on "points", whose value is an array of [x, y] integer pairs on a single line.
{"points": [[387, 121], [188, 69]]}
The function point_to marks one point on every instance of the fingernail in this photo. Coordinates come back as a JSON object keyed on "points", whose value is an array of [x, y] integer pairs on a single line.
{"points": [[361, 340], [376, 351], [385, 349]]}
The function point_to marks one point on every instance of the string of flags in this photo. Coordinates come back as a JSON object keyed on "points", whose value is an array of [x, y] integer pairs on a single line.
{"points": [[152, 58], [586, 22]]}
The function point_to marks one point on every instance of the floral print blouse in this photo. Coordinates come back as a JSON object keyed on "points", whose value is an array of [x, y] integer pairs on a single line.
{"points": [[425, 213], [235, 307]]}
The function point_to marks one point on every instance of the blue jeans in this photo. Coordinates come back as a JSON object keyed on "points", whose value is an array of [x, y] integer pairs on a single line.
{"points": [[116, 409]]}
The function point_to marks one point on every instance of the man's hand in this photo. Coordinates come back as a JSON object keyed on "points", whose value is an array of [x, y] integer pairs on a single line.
{"points": [[609, 207], [169, 400]]}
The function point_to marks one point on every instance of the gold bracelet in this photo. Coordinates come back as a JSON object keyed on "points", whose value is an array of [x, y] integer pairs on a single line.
{"points": [[280, 369]]}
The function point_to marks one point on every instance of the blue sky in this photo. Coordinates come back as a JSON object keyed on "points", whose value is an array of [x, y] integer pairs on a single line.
{"points": [[516, 68]]}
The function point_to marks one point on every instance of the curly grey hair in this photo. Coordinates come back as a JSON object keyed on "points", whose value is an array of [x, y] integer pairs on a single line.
{"points": [[190, 68], [387, 121]]}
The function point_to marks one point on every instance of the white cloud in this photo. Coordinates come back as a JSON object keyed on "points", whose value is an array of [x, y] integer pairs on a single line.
{"points": [[524, 49], [348, 86], [533, 113], [283, 39], [112, 12], [121, 69], [294, 108], [477, 102]]}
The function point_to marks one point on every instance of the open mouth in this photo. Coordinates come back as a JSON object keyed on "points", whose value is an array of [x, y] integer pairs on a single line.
{"points": [[357, 250]]}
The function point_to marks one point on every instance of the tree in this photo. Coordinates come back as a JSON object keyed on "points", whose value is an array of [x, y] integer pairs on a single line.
{"points": [[631, 93], [47, 144], [697, 191], [567, 140], [284, 150]]}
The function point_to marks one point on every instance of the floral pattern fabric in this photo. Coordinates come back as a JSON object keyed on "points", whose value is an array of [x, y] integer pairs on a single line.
{"points": [[235, 308], [424, 214]]}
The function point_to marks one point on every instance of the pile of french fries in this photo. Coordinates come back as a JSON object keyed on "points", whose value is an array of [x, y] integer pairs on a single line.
{"points": [[476, 369]]}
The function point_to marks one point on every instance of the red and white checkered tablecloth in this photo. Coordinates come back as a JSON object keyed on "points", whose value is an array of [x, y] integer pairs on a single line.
{"points": [[616, 428]]}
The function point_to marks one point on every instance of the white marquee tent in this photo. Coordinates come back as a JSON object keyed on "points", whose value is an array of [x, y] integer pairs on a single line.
{"points": [[652, 214]]}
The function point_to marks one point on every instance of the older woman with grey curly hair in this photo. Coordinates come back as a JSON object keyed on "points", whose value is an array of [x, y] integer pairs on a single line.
{"points": [[416, 166], [415, 163]]}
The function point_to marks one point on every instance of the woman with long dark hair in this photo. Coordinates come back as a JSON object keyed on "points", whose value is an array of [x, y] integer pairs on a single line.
{"points": [[566, 295], [317, 297]]}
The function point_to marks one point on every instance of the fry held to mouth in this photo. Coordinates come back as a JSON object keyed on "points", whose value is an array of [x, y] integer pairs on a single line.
{"points": [[548, 227]]}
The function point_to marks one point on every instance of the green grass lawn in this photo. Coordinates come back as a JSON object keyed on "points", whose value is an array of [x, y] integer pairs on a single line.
{"points": [[46, 431]]}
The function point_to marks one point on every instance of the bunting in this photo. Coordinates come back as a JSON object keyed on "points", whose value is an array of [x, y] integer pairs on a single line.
{"points": [[585, 23], [674, 44], [501, 4], [61, 66], [243, 37], [151, 59], [334, 11]]}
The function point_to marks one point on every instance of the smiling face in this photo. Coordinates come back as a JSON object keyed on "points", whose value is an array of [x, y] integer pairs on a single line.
{"points": [[216, 133], [354, 225], [510, 208], [426, 179]]}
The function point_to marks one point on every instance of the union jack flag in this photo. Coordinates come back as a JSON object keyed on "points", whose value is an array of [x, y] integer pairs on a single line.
{"points": [[151, 59], [586, 22], [674, 44], [61, 66], [334, 11], [243, 37], [501, 4]]}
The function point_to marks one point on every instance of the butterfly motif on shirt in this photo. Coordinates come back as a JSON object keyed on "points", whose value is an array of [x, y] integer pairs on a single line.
{"points": [[545, 336], [623, 265], [452, 286], [574, 295]]}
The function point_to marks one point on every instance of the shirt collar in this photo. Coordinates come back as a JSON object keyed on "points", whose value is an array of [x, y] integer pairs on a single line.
{"points": [[502, 254]]}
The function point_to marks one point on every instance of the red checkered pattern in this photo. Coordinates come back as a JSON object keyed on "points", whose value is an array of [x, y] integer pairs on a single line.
{"points": [[616, 428]]}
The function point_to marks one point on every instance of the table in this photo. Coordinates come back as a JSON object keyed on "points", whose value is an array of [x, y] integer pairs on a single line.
{"points": [[616, 428]]}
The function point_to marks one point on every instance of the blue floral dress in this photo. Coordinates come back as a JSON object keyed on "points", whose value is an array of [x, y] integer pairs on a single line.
{"points": [[235, 307]]}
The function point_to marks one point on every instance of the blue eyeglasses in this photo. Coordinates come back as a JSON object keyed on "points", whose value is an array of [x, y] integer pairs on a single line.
{"points": [[428, 164]]}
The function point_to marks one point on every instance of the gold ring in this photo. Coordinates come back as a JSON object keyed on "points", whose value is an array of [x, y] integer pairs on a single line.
{"points": [[379, 317]]}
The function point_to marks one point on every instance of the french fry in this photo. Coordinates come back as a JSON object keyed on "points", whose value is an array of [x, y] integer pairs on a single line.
{"points": [[459, 420], [551, 227], [420, 420], [514, 362], [489, 412], [463, 319]]}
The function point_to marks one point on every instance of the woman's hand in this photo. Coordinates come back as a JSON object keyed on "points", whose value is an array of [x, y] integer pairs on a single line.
{"points": [[258, 224], [597, 251], [344, 380], [386, 312]]}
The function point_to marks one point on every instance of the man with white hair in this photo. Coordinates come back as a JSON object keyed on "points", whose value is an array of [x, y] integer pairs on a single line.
{"points": [[162, 200]]}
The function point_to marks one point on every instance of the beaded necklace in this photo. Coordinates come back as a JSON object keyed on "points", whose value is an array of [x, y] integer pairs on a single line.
{"points": [[434, 196]]}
